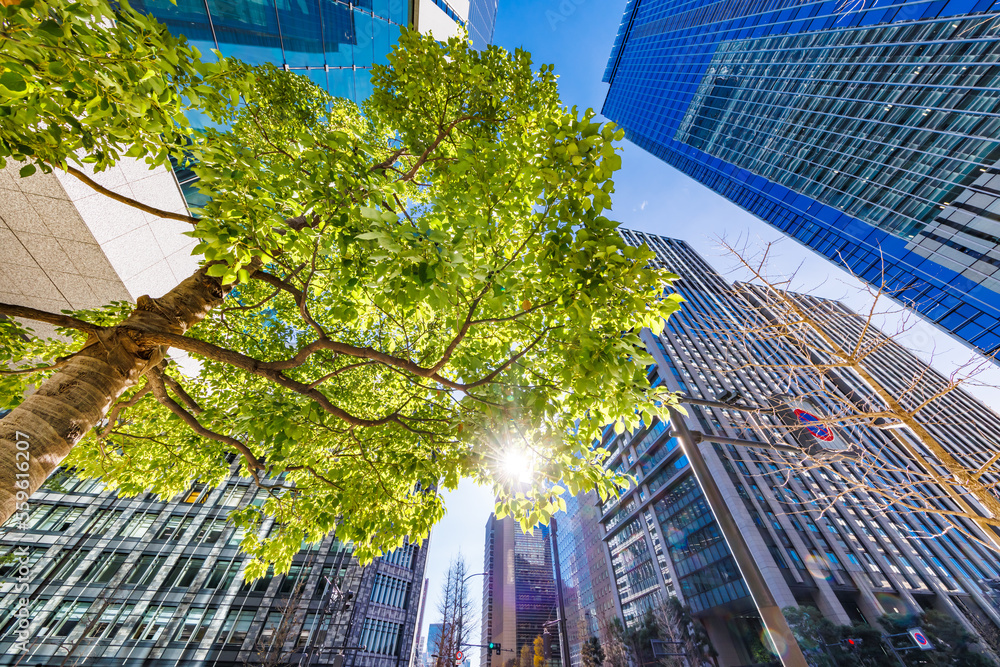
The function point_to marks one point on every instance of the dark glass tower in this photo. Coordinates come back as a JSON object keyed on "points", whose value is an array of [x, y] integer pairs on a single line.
{"points": [[869, 132], [519, 590]]}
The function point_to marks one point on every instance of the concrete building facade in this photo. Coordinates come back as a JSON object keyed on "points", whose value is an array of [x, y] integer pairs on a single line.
{"points": [[849, 561]]}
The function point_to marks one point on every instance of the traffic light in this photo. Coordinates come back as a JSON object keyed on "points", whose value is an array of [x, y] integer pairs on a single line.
{"points": [[494, 646], [852, 642]]}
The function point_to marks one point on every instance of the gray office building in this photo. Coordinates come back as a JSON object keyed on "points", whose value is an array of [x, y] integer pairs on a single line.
{"points": [[844, 557], [141, 581]]}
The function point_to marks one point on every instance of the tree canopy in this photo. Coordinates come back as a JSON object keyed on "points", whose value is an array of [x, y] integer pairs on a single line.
{"points": [[394, 296]]}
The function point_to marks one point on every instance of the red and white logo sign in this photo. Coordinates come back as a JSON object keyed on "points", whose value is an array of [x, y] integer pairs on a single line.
{"points": [[812, 423], [459, 656]]}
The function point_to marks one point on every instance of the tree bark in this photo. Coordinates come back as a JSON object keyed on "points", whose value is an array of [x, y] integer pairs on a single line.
{"points": [[39, 433]]}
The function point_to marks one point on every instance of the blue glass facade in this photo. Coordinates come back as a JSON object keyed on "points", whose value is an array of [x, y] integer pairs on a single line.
{"points": [[333, 42], [482, 20], [866, 131]]}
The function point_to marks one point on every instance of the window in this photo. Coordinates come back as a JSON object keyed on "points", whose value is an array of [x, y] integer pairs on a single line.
{"points": [[381, 636], [232, 496], [62, 621], [259, 585], [59, 519], [174, 528], [197, 494], [14, 558], [304, 633], [235, 627], [183, 573], [153, 622], [111, 620], [104, 568], [270, 629], [390, 591], [101, 521], [236, 537], [291, 579], [68, 561], [138, 525], [259, 498], [222, 575], [145, 569], [195, 625], [211, 531]]}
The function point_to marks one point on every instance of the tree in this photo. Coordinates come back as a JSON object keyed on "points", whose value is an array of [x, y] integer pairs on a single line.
{"points": [[391, 299], [455, 607], [953, 645], [538, 646], [825, 643], [591, 653], [639, 638], [526, 656], [617, 651], [683, 634], [820, 351]]}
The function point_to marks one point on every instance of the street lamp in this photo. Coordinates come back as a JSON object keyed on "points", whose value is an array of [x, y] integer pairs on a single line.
{"points": [[770, 613]]}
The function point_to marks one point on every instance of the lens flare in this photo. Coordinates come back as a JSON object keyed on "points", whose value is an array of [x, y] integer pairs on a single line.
{"points": [[818, 568], [517, 465], [774, 643]]}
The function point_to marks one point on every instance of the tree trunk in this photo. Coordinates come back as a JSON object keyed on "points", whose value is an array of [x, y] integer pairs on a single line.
{"points": [[38, 434]]}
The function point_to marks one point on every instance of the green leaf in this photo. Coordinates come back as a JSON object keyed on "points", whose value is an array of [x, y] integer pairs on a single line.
{"points": [[13, 82], [497, 270], [27, 170]]}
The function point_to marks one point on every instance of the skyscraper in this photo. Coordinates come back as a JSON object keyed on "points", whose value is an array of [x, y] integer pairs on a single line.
{"points": [[141, 581], [482, 21], [518, 589], [588, 589], [868, 132], [815, 542]]}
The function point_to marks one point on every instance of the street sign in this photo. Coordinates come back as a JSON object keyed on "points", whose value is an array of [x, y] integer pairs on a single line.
{"points": [[805, 420], [814, 425], [920, 639], [459, 656]]}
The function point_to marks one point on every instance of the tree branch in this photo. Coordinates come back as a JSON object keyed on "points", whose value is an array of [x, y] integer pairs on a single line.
{"points": [[24, 371], [128, 201], [64, 321], [155, 377]]}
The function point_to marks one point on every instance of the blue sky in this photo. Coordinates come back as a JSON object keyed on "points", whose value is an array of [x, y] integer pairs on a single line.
{"points": [[576, 36]]}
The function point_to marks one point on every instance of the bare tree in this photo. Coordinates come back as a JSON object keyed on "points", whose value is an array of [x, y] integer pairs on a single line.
{"points": [[274, 647], [456, 608], [616, 650], [683, 636], [864, 389]]}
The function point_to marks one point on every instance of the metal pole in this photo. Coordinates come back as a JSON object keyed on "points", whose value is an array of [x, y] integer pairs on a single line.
{"points": [[563, 636], [767, 607]]}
